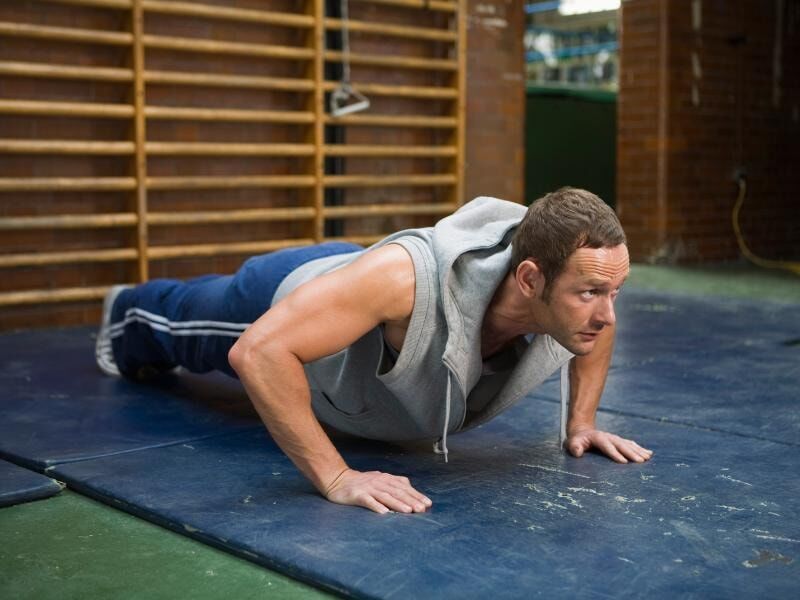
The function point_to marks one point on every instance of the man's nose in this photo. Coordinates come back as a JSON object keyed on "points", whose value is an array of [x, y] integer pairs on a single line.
{"points": [[605, 311]]}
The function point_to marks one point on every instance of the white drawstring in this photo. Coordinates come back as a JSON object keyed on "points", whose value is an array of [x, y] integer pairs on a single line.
{"points": [[562, 435], [440, 447]]}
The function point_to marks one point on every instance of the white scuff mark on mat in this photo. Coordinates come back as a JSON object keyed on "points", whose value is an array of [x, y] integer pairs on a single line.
{"points": [[681, 465], [191, 529], [547, 504], [688, 498], [534, 488], [623, 559], [570, 499], [729, 478], [625, 500], [766, 535], [586, 491], [428, 519], [731, 508], [553, 470]]}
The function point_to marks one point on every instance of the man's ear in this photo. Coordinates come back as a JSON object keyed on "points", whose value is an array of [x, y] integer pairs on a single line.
{"points": [[530, 278]]}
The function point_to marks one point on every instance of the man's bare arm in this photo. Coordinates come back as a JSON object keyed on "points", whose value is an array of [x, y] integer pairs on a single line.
{"points": [[587, 375], [316, 320]]}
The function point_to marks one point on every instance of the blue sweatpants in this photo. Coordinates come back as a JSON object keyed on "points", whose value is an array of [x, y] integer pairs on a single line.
{"points": [[166, 323]]}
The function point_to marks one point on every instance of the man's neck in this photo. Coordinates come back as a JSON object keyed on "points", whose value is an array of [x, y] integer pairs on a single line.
{"points": [[507, 317]]}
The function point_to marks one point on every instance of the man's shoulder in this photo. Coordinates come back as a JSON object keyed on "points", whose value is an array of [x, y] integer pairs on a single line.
{"points": [[386, 275]]}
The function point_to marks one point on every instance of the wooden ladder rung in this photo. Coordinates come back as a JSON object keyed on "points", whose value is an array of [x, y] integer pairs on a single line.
{"points": [[245, 248], [253, 215], [66, 109], [388, 180], [228, 182], [380, 210], [229, 114], [228, 13], [226, 149], [398, 91], [385, 150], [65, 147], [404, 62], [392, 121], [229, 81], [79, 294], [440, 5], [32, 69], [66, 34], [66, 184], [184, 44], [415, 33], [118, 4], [95, 221], [66, 257]]}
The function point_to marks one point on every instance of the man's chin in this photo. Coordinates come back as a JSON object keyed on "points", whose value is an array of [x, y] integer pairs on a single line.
{"points": [[580, 347]]}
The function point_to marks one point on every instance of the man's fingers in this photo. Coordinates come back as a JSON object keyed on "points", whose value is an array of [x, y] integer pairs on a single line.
{"points": [[642, 453], [412, 496], [367, 501], [611, 451], [394, 502], [627, 449]]}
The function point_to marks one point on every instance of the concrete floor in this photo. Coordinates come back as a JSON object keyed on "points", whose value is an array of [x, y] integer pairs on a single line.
{"points": [[69, 546]]}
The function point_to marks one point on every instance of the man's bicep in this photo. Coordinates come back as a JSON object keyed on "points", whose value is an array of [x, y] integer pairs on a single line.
{"points": [[332, 311]]}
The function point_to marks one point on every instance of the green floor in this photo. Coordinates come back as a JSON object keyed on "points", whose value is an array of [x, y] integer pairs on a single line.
{"points": [[72, 547]]}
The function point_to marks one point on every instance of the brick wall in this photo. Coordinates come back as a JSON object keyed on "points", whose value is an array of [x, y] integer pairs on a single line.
{"points": [[495, 126], [708, 89]]}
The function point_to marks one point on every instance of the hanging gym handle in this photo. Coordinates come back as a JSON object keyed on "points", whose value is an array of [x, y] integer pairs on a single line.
{"points": [[345, 99]]}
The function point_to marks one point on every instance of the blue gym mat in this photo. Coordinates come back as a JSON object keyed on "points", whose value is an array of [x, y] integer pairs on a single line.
{"points": [[55, 406], [18, 485], [712, 516], [709, 385]]}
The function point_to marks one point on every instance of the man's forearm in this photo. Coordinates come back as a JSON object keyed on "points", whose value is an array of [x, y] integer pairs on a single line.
{"points": [[277, 386], [587, 375]]}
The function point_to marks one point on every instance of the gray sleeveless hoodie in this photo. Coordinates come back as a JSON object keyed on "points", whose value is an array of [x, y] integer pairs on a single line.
{"points": [[438, 384]]}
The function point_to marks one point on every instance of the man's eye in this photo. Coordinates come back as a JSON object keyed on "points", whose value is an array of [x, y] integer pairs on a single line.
{"points": [[589, 294]]}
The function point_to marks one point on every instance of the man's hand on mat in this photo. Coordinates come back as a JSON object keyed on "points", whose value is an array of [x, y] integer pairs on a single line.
{"points": [[377, 491], [613, 446]]}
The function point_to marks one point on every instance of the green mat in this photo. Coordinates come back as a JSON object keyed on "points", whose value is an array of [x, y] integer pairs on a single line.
{"points": [[72, 547]]}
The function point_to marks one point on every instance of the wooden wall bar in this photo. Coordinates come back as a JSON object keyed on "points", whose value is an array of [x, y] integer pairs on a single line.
{"points": [[162, 138]]}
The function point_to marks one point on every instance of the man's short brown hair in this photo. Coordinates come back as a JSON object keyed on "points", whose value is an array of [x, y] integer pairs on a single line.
{"points": [[558, 224]]}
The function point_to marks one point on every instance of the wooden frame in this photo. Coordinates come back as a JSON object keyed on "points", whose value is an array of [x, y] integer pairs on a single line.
{"points": [[310, 116]]}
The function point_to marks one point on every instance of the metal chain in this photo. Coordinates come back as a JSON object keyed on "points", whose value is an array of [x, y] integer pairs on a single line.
{"points": [[345, 43]]}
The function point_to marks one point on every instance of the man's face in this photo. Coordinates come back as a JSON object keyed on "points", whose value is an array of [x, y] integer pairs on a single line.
{"points": [[582, 298]]}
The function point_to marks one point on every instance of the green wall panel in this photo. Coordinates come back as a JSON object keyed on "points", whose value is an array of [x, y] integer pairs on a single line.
{"points": [[570, 139]]}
